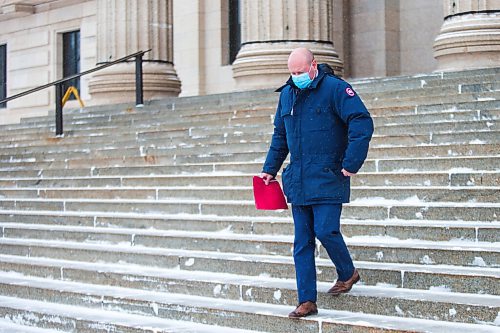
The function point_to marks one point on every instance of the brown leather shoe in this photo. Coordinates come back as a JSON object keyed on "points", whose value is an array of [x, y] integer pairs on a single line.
{"points": [[341, 287], [304, 309]]}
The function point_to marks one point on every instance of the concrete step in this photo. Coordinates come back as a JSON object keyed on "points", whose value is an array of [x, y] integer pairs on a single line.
{"points": [[203, 175], [408, 100], [363, 248], [446, 278], [377, 208], [222, 192], [456, 138], [426, 80], [395, 228], [448, 115], [8, 326], [153, 114], [459, 308], [70, 318], [162, 139], [376, 100], [329, 321], [239, 161], [410, 117], [85, 127], [237, 117], [418, 128], [183, 135], [433, 108], [475, 278], [379, 149], [103, 139], [425, 128], [455, 101], [426, 94]]}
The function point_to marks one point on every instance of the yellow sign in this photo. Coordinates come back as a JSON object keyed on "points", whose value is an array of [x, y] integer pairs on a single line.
{"points": [[68, 94]]}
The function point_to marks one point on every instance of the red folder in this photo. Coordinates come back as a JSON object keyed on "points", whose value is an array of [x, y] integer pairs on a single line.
{"points": [[268, 197]]}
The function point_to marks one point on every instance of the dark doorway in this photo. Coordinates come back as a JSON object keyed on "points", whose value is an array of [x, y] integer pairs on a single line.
{"points": [[234, 29], [71, 59]]}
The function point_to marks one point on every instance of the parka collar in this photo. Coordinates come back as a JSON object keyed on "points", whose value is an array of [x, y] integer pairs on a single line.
{"points": [[323, 69]]}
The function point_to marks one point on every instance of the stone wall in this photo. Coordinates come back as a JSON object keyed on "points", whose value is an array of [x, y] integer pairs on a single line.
{"points": [[34, 47]]}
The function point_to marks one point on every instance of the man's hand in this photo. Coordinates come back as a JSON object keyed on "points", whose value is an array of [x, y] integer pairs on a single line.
{"points": [[266, 177], [347, 173]]}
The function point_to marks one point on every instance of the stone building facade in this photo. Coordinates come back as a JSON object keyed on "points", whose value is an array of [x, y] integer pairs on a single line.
{"points": [[203, 47]]}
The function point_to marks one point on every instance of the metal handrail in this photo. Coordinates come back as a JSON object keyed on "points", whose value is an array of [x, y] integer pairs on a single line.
{"points": [[58, 85]]}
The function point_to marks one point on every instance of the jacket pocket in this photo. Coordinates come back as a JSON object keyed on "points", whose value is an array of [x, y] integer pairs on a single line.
{"points": [[326, 183], [286, 178]]}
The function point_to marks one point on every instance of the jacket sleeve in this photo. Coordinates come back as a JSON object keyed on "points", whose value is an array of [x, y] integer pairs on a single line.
{"points": [[359, 126], [278, 150]]}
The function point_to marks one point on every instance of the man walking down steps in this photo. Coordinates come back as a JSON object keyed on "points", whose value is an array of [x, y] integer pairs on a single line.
{"points": [[326, 128]]}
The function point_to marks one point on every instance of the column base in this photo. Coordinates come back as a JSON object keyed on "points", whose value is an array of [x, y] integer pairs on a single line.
{"points": [[116, 84], [264, 65], [468, 41]]}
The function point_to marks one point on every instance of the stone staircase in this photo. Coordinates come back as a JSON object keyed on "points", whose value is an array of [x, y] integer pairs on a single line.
{"points": [[142, 220]]}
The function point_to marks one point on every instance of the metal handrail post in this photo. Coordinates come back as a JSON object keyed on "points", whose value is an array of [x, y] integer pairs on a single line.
{"points": [[139, 94], [59, 108]]}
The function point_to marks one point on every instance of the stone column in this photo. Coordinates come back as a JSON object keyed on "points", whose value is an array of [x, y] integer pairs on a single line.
{"points": [[125, 27], [470, 35], [271, 29]]}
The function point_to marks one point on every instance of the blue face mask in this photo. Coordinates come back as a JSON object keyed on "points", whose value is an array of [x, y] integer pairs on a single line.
{"points": [[303, 80]]}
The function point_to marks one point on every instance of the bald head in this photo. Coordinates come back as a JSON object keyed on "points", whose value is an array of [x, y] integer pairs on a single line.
{"points": [[300, 61]]}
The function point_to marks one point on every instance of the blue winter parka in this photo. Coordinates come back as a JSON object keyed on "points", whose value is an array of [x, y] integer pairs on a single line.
{"points": [[325, 127]]}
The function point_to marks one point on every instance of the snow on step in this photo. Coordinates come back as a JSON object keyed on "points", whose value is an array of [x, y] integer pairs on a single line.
{"points": [[380, 241], [15, 326], [230, 307], [102, 319], [151, 271]]}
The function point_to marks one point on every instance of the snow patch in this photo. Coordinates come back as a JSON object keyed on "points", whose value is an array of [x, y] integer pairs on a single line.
{"points": [[217, 290], [399, 311], [426, 260], [227, 230], [479, 261], [386, 285], [383, 201], [441, 289], [154, 306], [460, 170], [497, 320]]}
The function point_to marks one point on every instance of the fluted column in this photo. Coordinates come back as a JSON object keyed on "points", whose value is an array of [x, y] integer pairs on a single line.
{"points": [[470, 35], [125, 27], [271, 29]]}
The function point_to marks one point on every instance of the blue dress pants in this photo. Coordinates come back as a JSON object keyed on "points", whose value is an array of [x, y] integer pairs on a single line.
{"points": [[323, 222]]}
